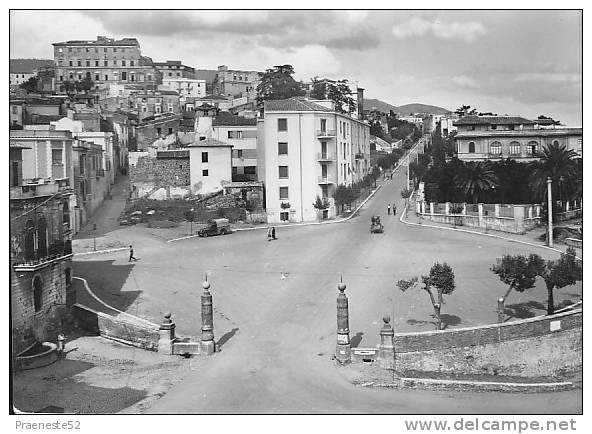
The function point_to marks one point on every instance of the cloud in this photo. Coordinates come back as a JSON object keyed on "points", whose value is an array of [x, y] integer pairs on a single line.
{"points": [[466, 31], [464, 81], [280, 29]]}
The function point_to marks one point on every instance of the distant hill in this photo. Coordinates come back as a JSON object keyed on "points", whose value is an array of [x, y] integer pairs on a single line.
{"points": [[404, 109], [28, 65]]}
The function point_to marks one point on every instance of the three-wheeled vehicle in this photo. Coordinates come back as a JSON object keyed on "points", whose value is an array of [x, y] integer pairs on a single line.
{"points": [[215, 227], [375, 225]]}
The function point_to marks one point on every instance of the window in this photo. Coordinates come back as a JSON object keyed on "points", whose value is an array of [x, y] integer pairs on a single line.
{"points": [[106, 77], [123, 63], [71, 63], [87, 49], [56, 156], [471, 147], [96, 63], [79, 63], [555, 143], [170, 131], [283, 193], [282, 124], [69, 49], [514, 148], [511, 127], [283, 172], [114, 49], [158, 131], [239, 153], [204, 172], [29, 240], [114, 62], [284, 216], [105, 63], [105, 49], [124, 75], [97, 77], [37, 293], [494, 127], [158, 109], [131, 63], [204, 157], [495, 148], [282, 148]]}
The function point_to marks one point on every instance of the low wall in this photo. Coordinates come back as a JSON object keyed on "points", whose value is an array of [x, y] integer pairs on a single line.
{"points": [[119, 329], [536, 347]]}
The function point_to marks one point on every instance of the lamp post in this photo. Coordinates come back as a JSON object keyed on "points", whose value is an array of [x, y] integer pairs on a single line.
{"points": [[549, 213], [95, 237]]}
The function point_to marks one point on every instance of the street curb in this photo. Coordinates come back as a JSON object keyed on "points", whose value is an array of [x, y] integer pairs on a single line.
{"points": [[93, 295], [490, 386], [478, 233], [342, 220], [97, 252]]}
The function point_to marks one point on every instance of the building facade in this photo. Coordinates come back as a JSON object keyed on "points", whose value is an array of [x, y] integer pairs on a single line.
{"points": [[40, 259], [306, 150], [174, 69], [236, 83], [186, 87], [241, 133], [103, 61], [210, 165], [481, 138], [155, 102]]}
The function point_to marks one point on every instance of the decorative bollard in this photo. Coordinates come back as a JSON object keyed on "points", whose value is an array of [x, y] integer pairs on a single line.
{"points": [[386, 349], [207, 345], [500, 317], [167, 335], [343, 349]]}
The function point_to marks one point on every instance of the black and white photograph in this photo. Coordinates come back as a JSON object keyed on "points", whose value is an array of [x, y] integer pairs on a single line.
{"points": [[336, 211]]}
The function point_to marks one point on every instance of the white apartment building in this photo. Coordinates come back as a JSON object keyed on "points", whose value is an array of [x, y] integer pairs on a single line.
{"points": [[186, 87], [305, 150], [209, 165]]}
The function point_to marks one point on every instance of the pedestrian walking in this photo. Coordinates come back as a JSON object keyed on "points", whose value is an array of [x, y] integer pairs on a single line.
{"points": [[269, 233], [61, 345], [131, 252], [273, 233], [394, 209], [388, 209]]}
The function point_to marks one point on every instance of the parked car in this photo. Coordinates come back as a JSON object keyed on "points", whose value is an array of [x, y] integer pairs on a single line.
{"points": [[215, 227]]}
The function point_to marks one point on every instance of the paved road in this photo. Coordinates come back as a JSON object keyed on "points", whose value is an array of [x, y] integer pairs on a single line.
{"points": [[276, 317]]}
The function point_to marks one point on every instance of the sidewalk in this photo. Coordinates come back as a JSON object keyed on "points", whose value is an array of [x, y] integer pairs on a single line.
{"points": [[530, 237]]}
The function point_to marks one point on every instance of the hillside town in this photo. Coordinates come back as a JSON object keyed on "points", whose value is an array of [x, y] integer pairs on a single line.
{"points": [[123, 165]]}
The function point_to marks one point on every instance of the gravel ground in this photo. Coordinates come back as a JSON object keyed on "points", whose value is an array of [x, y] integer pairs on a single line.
{"points": [[99, 376]]}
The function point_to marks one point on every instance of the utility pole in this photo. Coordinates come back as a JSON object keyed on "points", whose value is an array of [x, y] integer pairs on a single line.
{"points": [[549, 213]]}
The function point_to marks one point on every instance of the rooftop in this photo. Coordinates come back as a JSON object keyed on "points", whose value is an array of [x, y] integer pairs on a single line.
{"points": [[230, 120], [210, 143], [493, 120], [101, 40], [532, 132], [293, 105]]}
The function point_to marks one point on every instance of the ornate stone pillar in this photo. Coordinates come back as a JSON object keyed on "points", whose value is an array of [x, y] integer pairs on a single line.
{"points": [[207, 345], [386, 349], [343, 348], [167, 335]]}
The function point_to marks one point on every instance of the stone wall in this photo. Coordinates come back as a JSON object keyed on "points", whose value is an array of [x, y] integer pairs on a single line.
{"points": [[535, 347], [147, 134], [160, 178], [28, 325], [120, 329]]}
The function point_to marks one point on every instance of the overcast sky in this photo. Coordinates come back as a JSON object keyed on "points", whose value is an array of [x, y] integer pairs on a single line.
{"points": [[515, 62]]}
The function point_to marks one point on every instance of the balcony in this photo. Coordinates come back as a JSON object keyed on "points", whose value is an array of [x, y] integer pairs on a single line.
{"points": [[326, 156], [325, 180], [57, 252], [326, 133]]}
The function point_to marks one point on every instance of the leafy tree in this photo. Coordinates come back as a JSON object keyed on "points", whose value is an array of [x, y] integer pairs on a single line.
{"points": [[85, 85], [406, 194], [475, 179], [320, 204], [340, 93], [518, 271], [465, 110], [558, 163], [440, 278], [30, 85], [278, 83], [341, 196], [565, 271], [69, 87], [319, 89]]}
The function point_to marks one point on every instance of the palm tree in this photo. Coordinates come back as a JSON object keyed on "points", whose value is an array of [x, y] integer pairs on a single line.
{"points": [[475, 179], [558, 163]]}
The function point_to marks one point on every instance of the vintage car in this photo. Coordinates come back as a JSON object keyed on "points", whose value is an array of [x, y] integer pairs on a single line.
{"points": [[375, 225], [215, 227]]}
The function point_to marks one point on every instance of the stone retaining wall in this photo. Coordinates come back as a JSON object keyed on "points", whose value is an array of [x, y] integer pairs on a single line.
{"points": [[119, 329]]}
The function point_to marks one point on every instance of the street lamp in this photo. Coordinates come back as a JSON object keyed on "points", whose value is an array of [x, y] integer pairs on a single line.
{"points": [[549, 213], [95, 237]]}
